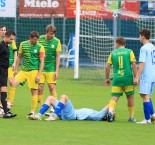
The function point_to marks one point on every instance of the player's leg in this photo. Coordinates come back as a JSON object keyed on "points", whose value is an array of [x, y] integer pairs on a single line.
{"points": [[31, 77], [145, 92], [52, 87], [41, 89], [63, 109], [58, 106], [3, 90], [129, 91], [40, 94], [116, 92], [11, 90], [20, 77]]}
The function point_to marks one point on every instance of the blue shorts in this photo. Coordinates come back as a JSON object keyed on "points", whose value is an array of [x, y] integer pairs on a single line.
{"points": [[146, 87], [68, 112]]}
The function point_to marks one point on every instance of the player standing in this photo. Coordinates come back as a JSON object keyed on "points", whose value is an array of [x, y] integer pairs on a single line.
{"points": [[33, 54], [4, 64], [122, 59], [12, 63], [50, 72], [146, 73]]}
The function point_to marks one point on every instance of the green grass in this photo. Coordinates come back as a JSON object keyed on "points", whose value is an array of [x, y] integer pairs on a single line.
{"points": [[90, 94]]}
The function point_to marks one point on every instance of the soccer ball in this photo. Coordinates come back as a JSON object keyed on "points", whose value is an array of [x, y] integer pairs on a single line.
{"points": [[1, 112]]}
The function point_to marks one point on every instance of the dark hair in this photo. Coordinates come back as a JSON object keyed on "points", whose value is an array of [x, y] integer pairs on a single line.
{"points": [[34, 34], [51, 28], [9, 33], [121, 41], [2, 26], [145, 33]]}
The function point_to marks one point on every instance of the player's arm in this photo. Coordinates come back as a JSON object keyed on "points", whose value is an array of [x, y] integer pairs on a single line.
{"points": [[57, 60], [19, 57], [41, 66], [14, 48], [107, 70], [142, 58], [133, 63], [139, 71]]}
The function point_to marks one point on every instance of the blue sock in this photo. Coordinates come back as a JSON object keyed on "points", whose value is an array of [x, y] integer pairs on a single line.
{"points": [[147, 110], [151, 108], [43, 109], [58, 109]]}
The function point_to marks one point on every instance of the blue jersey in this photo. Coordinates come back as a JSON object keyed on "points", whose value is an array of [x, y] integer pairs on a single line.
{"points": [[147, 55], [69, 113]]}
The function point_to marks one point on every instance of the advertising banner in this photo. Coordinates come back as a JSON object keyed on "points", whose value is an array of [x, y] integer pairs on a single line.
{"points": [[41, 8], [8, 8], [101, 9]]}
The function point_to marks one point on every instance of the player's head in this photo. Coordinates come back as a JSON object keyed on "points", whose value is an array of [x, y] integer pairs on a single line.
{"points": [[2, 31], [120, 42], [50, 31], [9, 36], [144, 34], [34, 35]]}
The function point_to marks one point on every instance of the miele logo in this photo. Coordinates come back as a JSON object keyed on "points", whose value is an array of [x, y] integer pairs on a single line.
{"points": [[41, 3]]}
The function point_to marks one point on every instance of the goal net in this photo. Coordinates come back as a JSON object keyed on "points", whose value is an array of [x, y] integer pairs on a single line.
{"points": [[99, 29]]}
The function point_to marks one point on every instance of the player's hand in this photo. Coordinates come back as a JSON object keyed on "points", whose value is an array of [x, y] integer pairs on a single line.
{"points": [[135, 82], [55, 76], [107, 82], [37, 78]]}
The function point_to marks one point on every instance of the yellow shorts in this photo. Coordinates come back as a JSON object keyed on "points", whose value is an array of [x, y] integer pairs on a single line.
{"points": [[48, 76], [118, 90], [10, 73], [28, 76]]}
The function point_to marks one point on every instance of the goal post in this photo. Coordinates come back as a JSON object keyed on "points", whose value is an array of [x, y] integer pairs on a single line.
{"points": [[77, 33]]}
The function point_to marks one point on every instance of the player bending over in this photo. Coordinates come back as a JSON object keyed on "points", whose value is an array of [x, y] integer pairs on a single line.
{"points": [[64, 110]]}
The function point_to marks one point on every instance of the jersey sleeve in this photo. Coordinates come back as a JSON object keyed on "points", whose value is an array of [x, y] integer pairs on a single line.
{"points": [[20, 51], [132, 57], [109, 59], [14, 47], [142, 55], [42, 52], [58, 49]]}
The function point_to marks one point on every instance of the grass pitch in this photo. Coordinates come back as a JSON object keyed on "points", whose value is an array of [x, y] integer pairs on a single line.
{"points": [[87, 94]]}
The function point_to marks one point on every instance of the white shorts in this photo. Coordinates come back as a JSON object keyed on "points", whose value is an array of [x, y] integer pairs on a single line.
{"points": [[146, 87]]}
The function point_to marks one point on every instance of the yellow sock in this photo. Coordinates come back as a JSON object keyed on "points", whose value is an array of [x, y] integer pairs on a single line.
{"points": [[40, 100], [34, 102], [131, 112], [112, 105], [54, 94], [11, 94]]}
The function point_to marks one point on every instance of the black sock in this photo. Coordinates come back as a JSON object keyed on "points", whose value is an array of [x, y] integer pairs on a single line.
{"points": [[4, 101]]}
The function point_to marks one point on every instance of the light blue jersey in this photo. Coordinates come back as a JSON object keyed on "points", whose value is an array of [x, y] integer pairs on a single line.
{"points": [[147, 55], [69, 113]]}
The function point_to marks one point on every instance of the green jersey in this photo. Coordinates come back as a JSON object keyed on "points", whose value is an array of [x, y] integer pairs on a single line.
{"points": [[121, 60], [31, 55], [51, 48]]}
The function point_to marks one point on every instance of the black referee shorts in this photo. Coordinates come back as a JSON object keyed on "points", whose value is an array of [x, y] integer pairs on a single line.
{"points": [[3, 77]]}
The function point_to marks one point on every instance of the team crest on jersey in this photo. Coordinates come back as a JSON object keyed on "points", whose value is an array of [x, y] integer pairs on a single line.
{"points": [[52, 46], [35, 50]]}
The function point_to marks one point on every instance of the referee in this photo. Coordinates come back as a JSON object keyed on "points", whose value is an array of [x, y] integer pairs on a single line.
{"points": [[4, 64]]}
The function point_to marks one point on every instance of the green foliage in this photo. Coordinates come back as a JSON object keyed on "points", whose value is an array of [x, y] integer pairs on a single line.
{"points": [[90, 94]]}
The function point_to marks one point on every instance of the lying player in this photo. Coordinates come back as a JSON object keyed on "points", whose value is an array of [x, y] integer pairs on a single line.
{"points": [[64, 110]]}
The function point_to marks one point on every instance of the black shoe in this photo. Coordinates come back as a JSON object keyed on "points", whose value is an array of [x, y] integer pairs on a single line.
{"points": [[30, 114], [48, 113], [9, 115], [110, 117]]}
